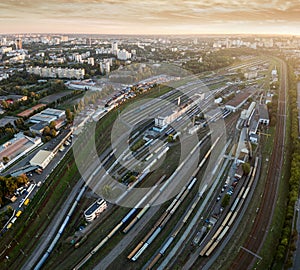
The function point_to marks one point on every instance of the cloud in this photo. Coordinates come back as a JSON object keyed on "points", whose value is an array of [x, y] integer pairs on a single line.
{"points": [[145, 15]]}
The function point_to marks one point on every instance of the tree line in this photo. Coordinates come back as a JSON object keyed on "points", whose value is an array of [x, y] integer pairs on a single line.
{"points": [[288, 237]]}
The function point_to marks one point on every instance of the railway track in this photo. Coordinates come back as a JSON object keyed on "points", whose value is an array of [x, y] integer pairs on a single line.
{"points": [[255, 240]]}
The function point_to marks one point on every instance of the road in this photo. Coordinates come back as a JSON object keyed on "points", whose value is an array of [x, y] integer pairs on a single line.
{"points": [[47, 146], [46, 238], [37, 177], [256, 238]]}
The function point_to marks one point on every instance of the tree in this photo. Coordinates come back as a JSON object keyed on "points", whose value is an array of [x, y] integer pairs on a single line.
{"points": [[246, 168], [52, 124], [10, 131], [47, 138], [225, 200], [53, 133], [69, 115], [22, 179], [46, 131], [132, 178], [5, 159], [4, 104], [170, 138]]}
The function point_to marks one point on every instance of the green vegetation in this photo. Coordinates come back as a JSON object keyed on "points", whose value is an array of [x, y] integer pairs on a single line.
{"points": [[216, 60], [226, 200], [246, 168], [69, 116], [137, 145], [170, 138], [8, 185], [49, 131], [210, 62], [5, 215], [106, 191], [272, 108], [294, 175]]}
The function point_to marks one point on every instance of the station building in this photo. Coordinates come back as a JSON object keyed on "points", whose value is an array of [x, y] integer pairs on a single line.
{"points": [[95, 210]]}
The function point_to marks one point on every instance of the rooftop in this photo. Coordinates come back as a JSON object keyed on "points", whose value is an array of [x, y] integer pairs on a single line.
{"points": [[15, 146], [40, 157], [39, 125], [263, 111], [239, 98], [54, 112], [30, 111], [94, 207], [39, 117], [6, 120]]}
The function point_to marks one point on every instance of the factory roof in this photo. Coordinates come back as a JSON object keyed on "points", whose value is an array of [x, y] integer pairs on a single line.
{"points": [[263, 111]]}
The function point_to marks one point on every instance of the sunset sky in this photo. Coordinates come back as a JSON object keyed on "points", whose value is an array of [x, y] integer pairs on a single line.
{"points": [[150, 17]]}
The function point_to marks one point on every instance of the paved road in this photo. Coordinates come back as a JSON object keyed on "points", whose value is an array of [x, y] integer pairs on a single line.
{"points": [[36, 177], [231, 233], [183, 237], [260, 228], [46, 238], [47, 146]]}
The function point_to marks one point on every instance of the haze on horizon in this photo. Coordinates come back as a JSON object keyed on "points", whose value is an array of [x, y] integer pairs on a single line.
{"points": [[150, 17]]}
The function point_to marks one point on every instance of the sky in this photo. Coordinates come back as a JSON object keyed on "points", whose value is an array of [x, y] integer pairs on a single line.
{"points": [[150, 17]]}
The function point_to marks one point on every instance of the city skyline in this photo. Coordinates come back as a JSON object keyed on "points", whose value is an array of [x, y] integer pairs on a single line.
{"points": [[150, 17]]}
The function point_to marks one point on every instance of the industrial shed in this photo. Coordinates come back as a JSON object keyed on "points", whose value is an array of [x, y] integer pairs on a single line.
{"points": [[42, 159]]}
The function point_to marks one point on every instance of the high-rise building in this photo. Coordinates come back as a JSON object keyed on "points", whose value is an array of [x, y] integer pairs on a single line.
{"points": [[91, 61], [3, 41], [114, 48], [78, 58], [19, 44], [123, 55], [107, 67]]}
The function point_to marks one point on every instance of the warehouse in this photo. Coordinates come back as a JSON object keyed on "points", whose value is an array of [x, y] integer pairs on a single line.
{"points": [[39, 117], [38, 128], [54, 112], [47, 115], [263, 114], [42, 159], [17, 147], [238, 101]]}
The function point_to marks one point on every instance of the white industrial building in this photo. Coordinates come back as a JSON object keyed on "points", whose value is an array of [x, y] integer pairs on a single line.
{"points": [[91, 61], [42, 159], [263, 114], [170, 116], [54, 112], [47, 115], [95, 210]]}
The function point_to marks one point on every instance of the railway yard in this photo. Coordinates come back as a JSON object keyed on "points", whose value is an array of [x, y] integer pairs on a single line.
{"points": [[177, 172]]}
